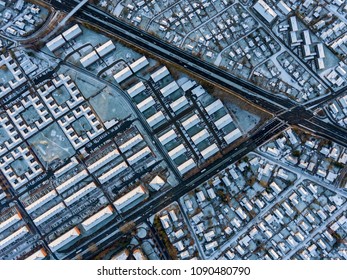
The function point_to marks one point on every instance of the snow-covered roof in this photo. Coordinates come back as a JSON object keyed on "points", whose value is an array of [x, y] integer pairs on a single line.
{"points": [[186, 166], [123, 74], [139, 64], [165, 221], [176, 152], [137, 194], [131, 143], [38, 255], [106, 48], [179, 103], [9, 222], [198, 91], [13, 237], [72, 32], [214, 107], [232, 136], [265, 11], [64, 239], [146, 104], [200, 136], [55, 43], [72, 181], [136, 89], [167, 137], [223, 121], [103, 161], [209, 151], [112, 172], [97, 218], [160, 74], [79, 194], [138, 255], [123, 255], [293, 23], [89, 59], [49, 214], [41, 201], [139, 155], [156, 118], [188, 85], [190, 122], [170, 88], [157, 183], [284, 7]]}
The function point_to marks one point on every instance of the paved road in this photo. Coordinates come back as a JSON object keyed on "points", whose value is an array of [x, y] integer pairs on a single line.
{"points": [[305, 119], [160, 200], [316, 231], [284, 194], [277, 105], [173, 54], [322, 101], [286, 110]]}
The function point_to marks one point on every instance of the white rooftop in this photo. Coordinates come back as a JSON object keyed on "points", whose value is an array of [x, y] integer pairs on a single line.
{"points": [[106, 48], [160, 74], [55, 43], [72, 32], [89, 59], [38, 255], [179, 103], [209, 151], [72, 181], [232, 136], [9, 222], [176, 152], [167, 137], [265, 11], [49, 214], [131, 197], [146, 104], [214, 107], [123, 74], [13, 237], [190, 122], [79, 194], [139, 64], [136, 89], [157, 183], [200, 136], [156, 118], [112, 172], [41, 201], [139, 155], [131, 143], [97, 218], [198, 91], [103, 161], [64, 239], [170, 88], [223, 121]]}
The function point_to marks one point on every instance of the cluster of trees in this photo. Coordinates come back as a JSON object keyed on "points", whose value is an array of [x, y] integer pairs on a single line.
{"points": [[296, 153], [164, 238], [338, 164], [224, 196]]}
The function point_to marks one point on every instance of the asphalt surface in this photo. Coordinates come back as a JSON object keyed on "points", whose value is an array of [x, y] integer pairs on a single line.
{"points": [[276, 105], [301, 117], [93, 15], [157, 202], [287, 111]]}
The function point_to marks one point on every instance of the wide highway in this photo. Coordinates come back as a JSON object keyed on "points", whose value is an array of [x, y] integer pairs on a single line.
{"points": [[287, 112]]}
